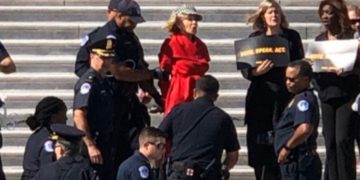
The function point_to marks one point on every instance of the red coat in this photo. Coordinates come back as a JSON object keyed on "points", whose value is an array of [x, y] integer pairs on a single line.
{"points": [[187, 60]]}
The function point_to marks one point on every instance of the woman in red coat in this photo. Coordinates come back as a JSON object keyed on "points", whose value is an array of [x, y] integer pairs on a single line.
{"points": [[183, 55]]}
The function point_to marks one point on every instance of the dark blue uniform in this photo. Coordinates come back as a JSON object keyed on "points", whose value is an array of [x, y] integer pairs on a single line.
{"points": [[303, 162], [130, 116], [67, 168], [205, 142], [136, 167], [93, 93], [3, 54], [39, 151]]}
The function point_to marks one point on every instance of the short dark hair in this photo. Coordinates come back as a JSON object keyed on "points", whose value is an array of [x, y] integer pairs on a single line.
{"points": [[151, 133], [304, 67], [208, 84]]}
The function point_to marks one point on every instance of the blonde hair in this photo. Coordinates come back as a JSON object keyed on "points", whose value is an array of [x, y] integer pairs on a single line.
{"points": [[170, 24], [257, 18]]}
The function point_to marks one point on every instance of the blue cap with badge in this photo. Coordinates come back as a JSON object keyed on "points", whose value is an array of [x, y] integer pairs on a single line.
{"points": [[66, 134], [103, 45], [128, 7]]}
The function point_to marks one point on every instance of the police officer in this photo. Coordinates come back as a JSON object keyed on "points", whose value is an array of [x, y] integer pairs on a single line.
{"points": [[152, 148], [199, 132], [296, 131], [70, 163], [130, 71], [6, 66], [39, 149], [93, 108]]}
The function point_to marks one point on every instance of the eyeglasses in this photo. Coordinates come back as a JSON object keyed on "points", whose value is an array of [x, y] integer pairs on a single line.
{"points": [[354, 21], [160, 146]]}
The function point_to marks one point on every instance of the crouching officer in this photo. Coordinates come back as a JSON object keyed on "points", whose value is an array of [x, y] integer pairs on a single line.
{"points": [[152, 148], [296, 131], [200, 132], [70, 163], [93, 105]]}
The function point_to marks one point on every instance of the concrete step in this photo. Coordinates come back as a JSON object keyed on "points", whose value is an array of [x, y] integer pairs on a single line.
{"points": [[71, 46], [66, 80], [220, 13], [30, 97], [15, 141], [34, 63], [147, 30], [157, 2]]}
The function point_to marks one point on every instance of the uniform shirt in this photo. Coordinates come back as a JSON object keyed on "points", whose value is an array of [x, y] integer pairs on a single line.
{"points": [[67, 168], [3, 52], [136, 167], [38, 152], [206, 141], [93, 93], [303, 108], [128, 49]]}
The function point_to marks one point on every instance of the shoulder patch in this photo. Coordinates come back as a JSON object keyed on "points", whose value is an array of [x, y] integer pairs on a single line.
{"points": [[303, 105], [85, 88], [84, 40], [48, 146], [144, 171]]}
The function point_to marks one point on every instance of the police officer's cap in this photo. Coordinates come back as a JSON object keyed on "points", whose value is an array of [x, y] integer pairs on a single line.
{"points": [[65, 133], [130, 8], [103, 45]]}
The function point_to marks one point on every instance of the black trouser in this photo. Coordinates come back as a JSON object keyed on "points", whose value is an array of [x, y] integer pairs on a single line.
{"points": [[302, 167], [262, 157], [267, 172], [105, 172], [339, 125]]}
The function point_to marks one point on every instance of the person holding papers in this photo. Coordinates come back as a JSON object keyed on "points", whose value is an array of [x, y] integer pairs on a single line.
{"points": [[337, 90], [267, 95]]}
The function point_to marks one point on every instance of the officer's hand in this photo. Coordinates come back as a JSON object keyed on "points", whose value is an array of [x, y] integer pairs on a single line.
{"points": [[95, 155], [284, 153], [160, 74], [263, 68]]}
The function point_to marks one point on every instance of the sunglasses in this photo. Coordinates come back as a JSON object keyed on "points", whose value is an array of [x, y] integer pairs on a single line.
{"points": [[160, 146], [354, 21]]}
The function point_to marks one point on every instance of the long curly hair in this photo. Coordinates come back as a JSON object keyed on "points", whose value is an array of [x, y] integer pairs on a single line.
{"points": [[341, 12]]}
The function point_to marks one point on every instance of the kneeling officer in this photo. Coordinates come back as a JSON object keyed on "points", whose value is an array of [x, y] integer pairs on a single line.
{"points": [[296, 131]]}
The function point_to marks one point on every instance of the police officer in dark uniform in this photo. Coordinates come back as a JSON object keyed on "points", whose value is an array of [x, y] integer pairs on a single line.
{"points": [[39, 149], [296, 131], [152, 148], [93, 108], [130, 71], [6, 66], [199, 132], [70, 163]]}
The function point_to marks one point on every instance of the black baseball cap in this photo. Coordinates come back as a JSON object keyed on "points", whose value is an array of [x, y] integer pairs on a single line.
{"points": [[128, 7]]}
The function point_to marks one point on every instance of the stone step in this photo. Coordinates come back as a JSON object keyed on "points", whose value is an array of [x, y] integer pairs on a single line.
{"points": [[66, 80], [157, 2], [34, 63], [147, 30], [221, 13], [71, 46], [30, 97]]}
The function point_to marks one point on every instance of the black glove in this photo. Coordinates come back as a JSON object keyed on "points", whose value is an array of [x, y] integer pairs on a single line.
{"points": [[160, 74]]}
